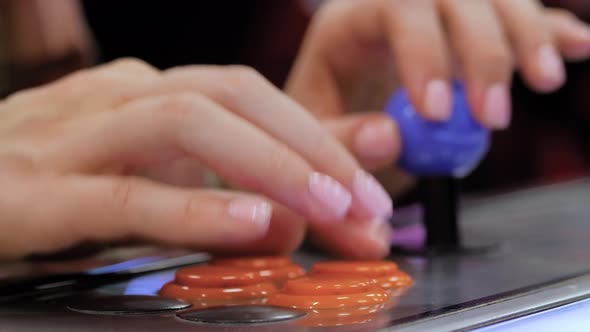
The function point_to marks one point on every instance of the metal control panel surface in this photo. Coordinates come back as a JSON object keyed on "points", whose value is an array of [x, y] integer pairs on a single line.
{"points": [[540, 261]]}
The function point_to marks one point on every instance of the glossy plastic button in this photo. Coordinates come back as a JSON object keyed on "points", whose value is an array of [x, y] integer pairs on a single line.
{"points": [[217, 276], [241, 315], [368, 269], [172, 290], [125, 305], [368, 316], [329, 293], [327, 285], [282, 273], [399, 279], [331, 300], [385, 273], [270, 268], [369, 298], [206, 286]]}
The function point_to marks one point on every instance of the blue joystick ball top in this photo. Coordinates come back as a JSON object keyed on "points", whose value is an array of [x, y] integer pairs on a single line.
{"points": [[451, 148]]}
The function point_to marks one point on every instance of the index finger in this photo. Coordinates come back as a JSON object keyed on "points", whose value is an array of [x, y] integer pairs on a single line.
{"points": [[355, 49], [247, 94]]}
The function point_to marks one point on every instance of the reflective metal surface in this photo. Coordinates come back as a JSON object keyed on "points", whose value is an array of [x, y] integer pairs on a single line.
{"points": [[124, 304], [541, 236], [241, 315]]}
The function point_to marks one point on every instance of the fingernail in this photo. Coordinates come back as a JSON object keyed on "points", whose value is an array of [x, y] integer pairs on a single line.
{"points": [[330, 194], [496, 106], [551, 66], [251, 210], [371, 195], [438, 100], [376, 139]]}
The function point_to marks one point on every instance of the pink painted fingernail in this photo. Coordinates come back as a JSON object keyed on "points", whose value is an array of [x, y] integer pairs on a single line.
{"points": [[496, 106], [551, 65], [251, 210], [371, 195], [438, 100], [376, 139], [331, 194]]}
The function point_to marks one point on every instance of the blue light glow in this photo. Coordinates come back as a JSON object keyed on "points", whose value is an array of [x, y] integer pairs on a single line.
{"points": [[123, 266], [149, 284]]}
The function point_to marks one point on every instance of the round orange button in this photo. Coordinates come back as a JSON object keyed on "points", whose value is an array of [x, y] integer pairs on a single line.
{"points": [[360, 268], [399, 279], [217, 276], [172, 290], [254, 262], [270, 268], [282, 273], [327, 285], [346, 316], [332, 300], [372, 297]]}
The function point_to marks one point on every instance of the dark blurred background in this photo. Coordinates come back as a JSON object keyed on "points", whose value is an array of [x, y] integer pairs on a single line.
{"points": [[549, 139]]}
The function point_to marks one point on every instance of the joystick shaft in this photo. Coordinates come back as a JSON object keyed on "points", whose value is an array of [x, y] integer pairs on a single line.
{"points": [[439, 198], [440, 154]]}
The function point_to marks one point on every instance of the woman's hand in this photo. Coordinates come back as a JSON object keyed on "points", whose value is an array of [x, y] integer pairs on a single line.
{"points": [[71, 152], [357, 52]]}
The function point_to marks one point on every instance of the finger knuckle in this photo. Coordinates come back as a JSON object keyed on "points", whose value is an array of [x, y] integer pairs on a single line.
{"points": [[186, 70], [327, 151], [186, 218], [236, 82], [496, 59], [323, 143], [73, 87], [121, 196], [280, 160], [133, 65], [243, 76], [107, 81], [178, 108]]}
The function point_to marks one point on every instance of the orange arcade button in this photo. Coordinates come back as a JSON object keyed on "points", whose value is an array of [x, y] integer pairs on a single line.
{"points": [[215, 285], [332, 300], [276, 269], [328, 285], [217, 276], [386, 274], [366, 268]]}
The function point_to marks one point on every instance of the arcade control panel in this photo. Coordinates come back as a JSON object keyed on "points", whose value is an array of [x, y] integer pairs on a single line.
{"points": [[537, 270], [514, 261]]}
